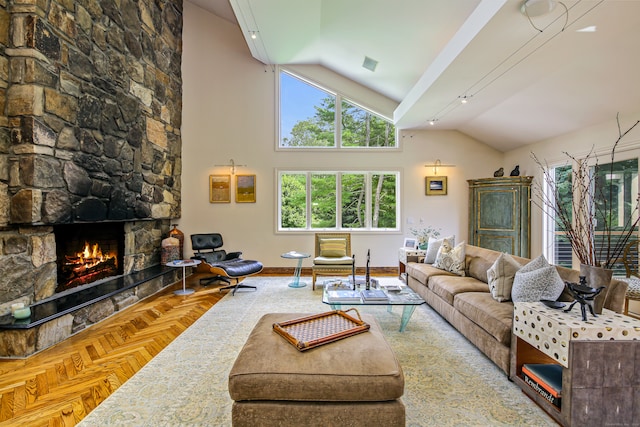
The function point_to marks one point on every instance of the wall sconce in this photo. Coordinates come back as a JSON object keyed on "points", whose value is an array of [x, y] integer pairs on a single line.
{"points": [[232, 166], [437, 164]]}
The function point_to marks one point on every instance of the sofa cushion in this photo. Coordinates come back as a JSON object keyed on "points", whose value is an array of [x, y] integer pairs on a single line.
{"points": [[537, 281], [434, 246], [422, 272], [501, 275], [451, 258], [343, 260], [447, 287], [477, 268], [333, 247], [494, 317], [479, 260]]}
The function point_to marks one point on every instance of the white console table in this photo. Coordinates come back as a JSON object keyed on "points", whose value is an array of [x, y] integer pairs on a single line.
{"points": [[403, 254]]}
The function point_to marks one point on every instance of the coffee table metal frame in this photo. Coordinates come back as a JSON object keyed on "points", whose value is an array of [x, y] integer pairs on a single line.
{"points": [[406, 298]]}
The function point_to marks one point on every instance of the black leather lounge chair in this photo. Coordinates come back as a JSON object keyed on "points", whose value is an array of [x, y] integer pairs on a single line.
{"points": [[226, 266]]}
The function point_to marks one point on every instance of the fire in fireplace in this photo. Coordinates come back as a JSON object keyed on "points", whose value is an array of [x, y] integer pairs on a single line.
{"points": [[87, 253]]}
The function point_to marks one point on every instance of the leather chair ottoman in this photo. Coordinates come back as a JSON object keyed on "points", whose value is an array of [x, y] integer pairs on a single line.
{"points": [[356, 381]]}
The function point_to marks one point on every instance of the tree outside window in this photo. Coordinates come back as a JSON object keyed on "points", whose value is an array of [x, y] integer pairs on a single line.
{"points": [[309, 119], [338, 200]]}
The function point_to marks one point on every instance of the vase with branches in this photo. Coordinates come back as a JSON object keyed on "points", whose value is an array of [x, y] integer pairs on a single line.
{"points": [[423, 232], [589, 212]]}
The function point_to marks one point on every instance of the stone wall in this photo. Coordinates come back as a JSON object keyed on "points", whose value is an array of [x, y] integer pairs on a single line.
{"points": [[91, 104]]}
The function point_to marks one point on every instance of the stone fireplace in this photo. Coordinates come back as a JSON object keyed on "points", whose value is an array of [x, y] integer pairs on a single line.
{"points": [[90, 102]]}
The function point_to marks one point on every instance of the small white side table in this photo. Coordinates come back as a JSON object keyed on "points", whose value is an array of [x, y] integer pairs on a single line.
{"points": [[403, 253], [184, 263]]}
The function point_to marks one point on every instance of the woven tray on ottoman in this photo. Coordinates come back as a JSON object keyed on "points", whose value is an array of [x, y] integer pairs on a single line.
{"points": [[356, 381]]}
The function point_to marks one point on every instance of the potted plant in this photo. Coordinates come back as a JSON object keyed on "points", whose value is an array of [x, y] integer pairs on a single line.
{"points": [[422, 233], [585, 212]]}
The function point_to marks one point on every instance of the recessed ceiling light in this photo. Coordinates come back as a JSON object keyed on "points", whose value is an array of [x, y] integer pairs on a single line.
{"points": [[369, 64], [589, 29]]}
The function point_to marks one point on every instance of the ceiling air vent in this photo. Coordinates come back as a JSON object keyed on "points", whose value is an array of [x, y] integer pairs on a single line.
{"points": [[369, 64]]}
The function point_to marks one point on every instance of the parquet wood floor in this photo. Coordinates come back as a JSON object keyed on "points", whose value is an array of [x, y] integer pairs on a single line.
{"points": [[61, 385]]}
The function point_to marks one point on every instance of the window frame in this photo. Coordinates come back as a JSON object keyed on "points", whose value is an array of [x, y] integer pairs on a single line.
{"points": [[339, 172], [339, 98]]}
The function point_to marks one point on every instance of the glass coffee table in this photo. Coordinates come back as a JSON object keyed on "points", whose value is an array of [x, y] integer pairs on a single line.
{"points": [[405, 297]]}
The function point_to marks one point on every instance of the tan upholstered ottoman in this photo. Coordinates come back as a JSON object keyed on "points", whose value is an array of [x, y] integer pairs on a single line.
{"points": [[356, 381]]}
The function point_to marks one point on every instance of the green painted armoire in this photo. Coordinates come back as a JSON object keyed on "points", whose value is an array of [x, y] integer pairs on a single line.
{"points": [[499, 214]]}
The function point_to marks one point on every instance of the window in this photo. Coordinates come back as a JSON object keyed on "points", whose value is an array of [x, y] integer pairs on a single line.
{"points": [[348, 200], [562, 253], [616, 189], [313, 117], [616, 193]]}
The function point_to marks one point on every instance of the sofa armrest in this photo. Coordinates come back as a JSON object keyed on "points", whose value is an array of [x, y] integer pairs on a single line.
{"points": [[616, 295]]}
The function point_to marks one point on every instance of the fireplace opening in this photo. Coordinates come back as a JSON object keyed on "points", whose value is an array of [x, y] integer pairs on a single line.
{"points": [[87, 253]]}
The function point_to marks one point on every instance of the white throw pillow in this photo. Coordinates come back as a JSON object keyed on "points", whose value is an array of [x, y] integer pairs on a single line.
{"points": [[451, 259], [501, 275], [434, 246], [537, 281]]}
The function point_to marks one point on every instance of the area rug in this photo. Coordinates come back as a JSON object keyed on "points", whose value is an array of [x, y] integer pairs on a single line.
{"points": [[448, 382]]}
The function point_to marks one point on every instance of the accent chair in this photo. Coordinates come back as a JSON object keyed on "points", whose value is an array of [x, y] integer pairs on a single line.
{"points": [[225, 266], [332, 255]]}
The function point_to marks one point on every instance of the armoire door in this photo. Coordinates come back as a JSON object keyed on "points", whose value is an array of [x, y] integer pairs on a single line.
{"points": [[499, 214]]}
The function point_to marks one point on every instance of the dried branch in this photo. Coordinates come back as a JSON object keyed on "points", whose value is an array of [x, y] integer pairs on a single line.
{"points": [[580, 218]]}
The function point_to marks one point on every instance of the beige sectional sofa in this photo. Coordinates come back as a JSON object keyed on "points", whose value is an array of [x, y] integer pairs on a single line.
{"points": [[467, 304]]}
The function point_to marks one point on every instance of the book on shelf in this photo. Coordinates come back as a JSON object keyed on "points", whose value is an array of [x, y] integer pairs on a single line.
{"points": [[374, 295], [343, 296], [545, 379]]}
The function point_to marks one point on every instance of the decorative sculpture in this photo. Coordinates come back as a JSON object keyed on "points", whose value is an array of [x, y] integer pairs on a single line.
{"points": [[353, 271], [499, 172], [515, 171], [367, 278], [584, 295]]}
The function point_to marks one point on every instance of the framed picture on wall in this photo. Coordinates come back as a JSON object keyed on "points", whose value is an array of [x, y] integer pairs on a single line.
{"points": [[435, 185], [245, 188], [219, 188]]}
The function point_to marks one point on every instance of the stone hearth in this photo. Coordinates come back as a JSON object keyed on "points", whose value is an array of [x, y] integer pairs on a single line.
{"points": [[91, 102]]}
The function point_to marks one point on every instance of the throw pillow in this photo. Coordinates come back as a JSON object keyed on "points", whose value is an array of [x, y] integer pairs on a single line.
{"points": [[537, 281], [501, 275], [333, 248], [451, 259], [434, 246]]}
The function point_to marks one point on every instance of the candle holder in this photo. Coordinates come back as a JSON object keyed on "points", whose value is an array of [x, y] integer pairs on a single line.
{"points": [[583, 294]]}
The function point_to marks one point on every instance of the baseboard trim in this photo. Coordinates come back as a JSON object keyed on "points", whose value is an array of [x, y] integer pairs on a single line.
{"points": [[306, 271]]}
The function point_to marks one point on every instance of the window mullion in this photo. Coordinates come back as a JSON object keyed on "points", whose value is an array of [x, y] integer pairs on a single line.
{"points": [[309, 201], [339, 200], [367, 200], [338, 121]]}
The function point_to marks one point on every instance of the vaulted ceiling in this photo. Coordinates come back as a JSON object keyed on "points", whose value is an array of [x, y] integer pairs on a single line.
{"points": [[526, 79]]}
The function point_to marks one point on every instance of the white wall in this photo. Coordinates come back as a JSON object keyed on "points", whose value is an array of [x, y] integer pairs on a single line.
{"points": [[228, 113], [601, 138]]}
